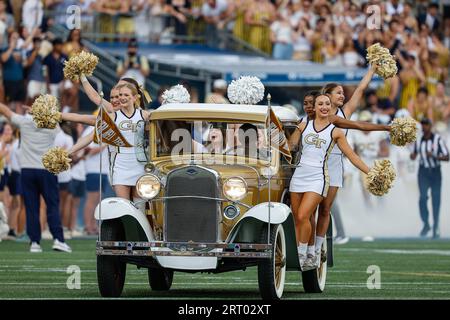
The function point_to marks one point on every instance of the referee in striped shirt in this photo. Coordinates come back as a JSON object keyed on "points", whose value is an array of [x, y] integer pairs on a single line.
{"points": [[431, 150]]}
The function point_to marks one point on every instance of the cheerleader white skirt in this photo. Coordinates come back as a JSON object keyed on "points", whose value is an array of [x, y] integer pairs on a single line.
{"points": [[125, 170], [336, 170], [310, 179]]}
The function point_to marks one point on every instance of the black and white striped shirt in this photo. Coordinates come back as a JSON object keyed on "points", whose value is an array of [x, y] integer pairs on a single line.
{"points": [[434, 145]]}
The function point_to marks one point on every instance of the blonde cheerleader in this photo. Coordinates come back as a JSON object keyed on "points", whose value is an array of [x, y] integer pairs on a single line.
{"points": [[311, 181]]}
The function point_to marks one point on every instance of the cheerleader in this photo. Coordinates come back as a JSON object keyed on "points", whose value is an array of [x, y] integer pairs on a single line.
{"points": [[311, 181], [335, 162], [125, 170]]}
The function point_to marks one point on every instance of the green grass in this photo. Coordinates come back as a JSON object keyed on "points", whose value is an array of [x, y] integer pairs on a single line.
{"points": [[417, 270]]}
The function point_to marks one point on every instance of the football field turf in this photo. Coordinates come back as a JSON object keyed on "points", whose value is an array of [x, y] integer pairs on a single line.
{"points": [[410, 269]]}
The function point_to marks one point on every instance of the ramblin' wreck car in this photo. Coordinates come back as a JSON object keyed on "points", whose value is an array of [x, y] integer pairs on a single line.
{"points": [[206, 205]]}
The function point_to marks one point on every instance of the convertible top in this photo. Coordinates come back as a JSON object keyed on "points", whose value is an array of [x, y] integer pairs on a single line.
{"points": [[210, 111]]}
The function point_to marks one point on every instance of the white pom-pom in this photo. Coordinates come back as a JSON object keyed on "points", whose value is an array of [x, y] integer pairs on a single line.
{"points": [[246, 90], [176, 94]]}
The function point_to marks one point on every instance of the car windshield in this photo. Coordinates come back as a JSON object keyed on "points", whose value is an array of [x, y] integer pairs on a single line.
{"points": [[177, 138]]}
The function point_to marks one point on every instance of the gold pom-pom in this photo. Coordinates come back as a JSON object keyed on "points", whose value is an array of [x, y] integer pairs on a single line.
{"points": [[403, 131], [45, 112], [81, 63], [382, 58], [380, 178], [56, 160]]}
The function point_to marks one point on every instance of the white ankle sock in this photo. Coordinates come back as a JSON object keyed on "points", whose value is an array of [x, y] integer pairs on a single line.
{"points": [[311, 250], [302, 248], [319, 242]]}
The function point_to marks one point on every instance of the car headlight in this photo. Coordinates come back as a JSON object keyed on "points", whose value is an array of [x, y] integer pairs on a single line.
{"points": [[235, 188], [148, 186]]}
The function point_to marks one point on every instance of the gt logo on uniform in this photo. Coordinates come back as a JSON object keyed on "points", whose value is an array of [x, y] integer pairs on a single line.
{"points": [[313, 139], [127, 125]]}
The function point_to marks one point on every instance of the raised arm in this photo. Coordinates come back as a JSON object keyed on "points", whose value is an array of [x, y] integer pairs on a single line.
{"points": [[86, 119], [339, 137], [93, 94], [4, 110], [352, 104], [358, 125], [82, 143]]}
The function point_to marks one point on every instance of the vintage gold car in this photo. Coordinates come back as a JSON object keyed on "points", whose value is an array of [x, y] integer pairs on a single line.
{"points": [[206, 205]]}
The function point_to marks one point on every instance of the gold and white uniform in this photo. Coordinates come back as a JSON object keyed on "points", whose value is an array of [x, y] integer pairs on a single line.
{"points": [[311, 175], [124, 167], [335, 161]]}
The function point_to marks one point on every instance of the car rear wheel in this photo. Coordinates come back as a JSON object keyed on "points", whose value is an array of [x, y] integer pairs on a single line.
{"points": [[314, 280], [272, 271], [111, 270], [160, 279]]}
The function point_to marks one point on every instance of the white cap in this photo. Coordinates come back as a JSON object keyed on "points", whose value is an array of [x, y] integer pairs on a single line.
{"points": [[220, 84]]}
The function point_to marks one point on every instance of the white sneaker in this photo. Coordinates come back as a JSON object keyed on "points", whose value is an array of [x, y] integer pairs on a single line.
{"points": [[341, 240], [61, 246], [35, 247], [301, 259], [46, 235]]}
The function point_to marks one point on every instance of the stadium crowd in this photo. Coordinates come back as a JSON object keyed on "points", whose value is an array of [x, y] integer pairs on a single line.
{"points": [[328, 32]]}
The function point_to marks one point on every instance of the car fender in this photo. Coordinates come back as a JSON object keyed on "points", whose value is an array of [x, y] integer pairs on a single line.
{"points": [[115, 208], [248, 228], [279, 212]]}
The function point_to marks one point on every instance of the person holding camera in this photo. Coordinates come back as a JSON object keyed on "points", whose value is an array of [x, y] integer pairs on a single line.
{"points": [[134, 66]]}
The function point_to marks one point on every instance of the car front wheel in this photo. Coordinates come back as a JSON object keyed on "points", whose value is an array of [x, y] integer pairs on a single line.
{"points": [[111, 270], [272, 271]]}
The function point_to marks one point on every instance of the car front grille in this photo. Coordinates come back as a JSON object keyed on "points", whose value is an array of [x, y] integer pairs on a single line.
{"points": [[191, 219]]}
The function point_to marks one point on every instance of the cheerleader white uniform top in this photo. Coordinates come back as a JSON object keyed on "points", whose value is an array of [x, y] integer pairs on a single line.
{"points": [[335, 161], [125, 169], [311, 175]]}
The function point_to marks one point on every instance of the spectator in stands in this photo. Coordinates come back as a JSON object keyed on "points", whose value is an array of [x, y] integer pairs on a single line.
{"points": [[431, 18], [73, 43], [32, 14], [125, 25], [302, 43], [7, 25], [54, 63], [213, 12], [108, 9], [178, 11], [13, 74], [408, 18], [237, 10], [282, 37], [420, 106], [37, 84], [36, 181], [134, 66], [88, 14], [433, 71], [394, 7], [219, 92], [440, 105], [411, 77]]}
